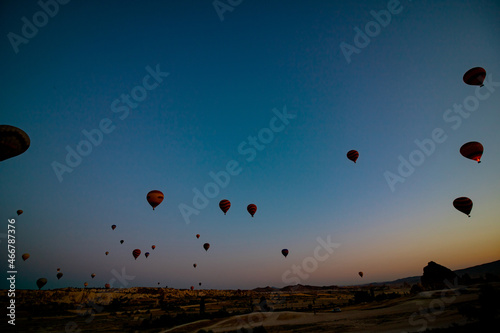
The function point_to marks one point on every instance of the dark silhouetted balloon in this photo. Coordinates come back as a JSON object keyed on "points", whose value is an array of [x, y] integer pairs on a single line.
{"points": [[59, 275], [284, 252], [121, 242], [192, 287], [136, 253], [154, 198], [463, 204], [252, 209], [197, 235], [13, 141], [146, 254], [352, 155], [206, 246], [475, 76], [153, 247], [472, 150], [58, 269], [360, 274], [41, 282], [107, 286], [224, 205], [19, 212], [92, 275], [194, 265], [113, 226], [107, 252], [25, 256]]}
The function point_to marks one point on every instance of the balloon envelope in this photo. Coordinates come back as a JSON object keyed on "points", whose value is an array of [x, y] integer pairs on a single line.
{"points": [[153, 247], [85, 284], [136, 253], [19, 212], [197, 235], [25, 256], [113, 226], [463, 204], [92, 275], [194, 265], [107, 252], [360, 274], [192, 288], [121, 242], [59, 275], [284, 252], [472, 150], [13, 141], [475, 76], [206, 246], [224, 205], [146, 254], [107, 286], [154, 198], [41, 282], [353, 155], [252, 209]]}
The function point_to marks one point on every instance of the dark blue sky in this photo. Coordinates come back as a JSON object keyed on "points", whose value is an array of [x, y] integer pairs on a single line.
{"points": [[268, 89]]}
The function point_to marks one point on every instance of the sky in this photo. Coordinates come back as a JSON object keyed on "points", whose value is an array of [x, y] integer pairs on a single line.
{"points": [[255, 102]]}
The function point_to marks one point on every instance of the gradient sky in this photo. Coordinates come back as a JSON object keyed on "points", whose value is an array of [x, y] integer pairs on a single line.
{"points": [[225, 78]]}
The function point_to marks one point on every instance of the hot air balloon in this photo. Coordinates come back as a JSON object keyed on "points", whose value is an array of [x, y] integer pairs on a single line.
{"points": [[58, 269], [92, 275], [360, 274], [284, 252], [85, 284], [121, 242], [463, 204], [41, 282], [197, 235], [199, 283], [107, 252], [113, 226], [107, 286], [194, 265], [136, 253], [19, 212], [146, 254], [25, 256], [59, 275], [475, 76], [472, 150], [154, 198], [192, 287], [224, 205], [153, 247], [353, 155], [158, 283], [206, 246], [251, 209], [13, 141]]}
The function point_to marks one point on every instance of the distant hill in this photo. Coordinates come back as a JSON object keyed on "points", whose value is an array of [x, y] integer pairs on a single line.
{"points": [[474, 272]]}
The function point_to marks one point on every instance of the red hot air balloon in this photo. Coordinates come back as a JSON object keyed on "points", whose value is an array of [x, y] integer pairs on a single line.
{"points": [[13, 142], [284, 252], [206, 246], [475, 76], [224, 205], [472, 150], [153, 247], [92, 275], [59, 275], [154, 198], [360, 274], [85, 284], [19, 212], [252, 209], [41, 282], [107, 252], [353, 155], [113, 226], [192, 287], [136, 253], [146, 254], [107, 286], [197, 235], [25, 256], [463, 204]]}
